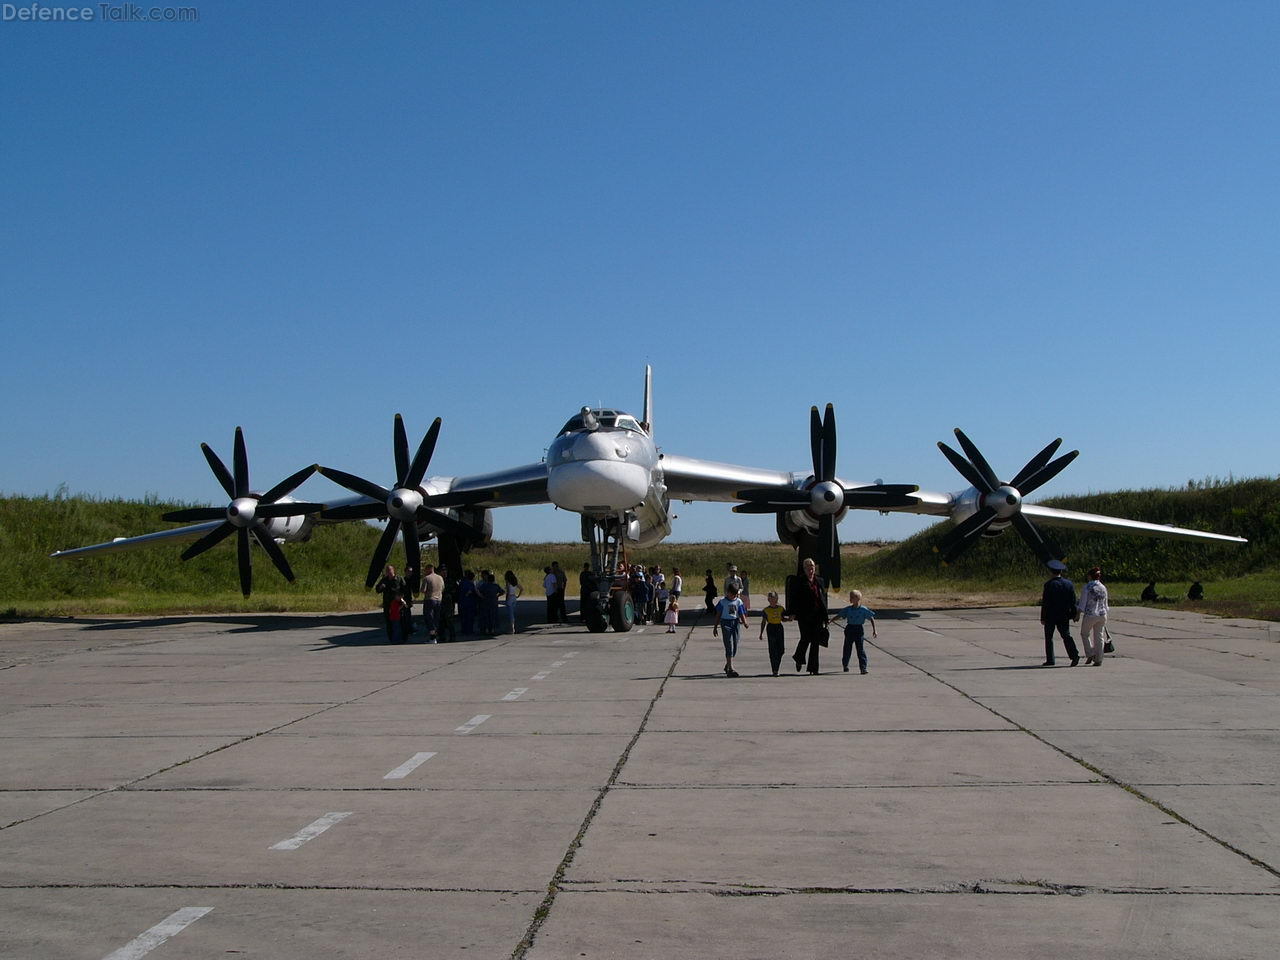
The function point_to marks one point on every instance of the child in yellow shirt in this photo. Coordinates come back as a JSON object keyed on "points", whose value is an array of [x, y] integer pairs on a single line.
{"points": [[771, 624]]}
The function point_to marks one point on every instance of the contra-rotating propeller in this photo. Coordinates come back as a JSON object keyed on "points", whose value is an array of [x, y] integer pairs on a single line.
{"points": [[823, 497], [1002, 501], [404, 505], [243, 516]]}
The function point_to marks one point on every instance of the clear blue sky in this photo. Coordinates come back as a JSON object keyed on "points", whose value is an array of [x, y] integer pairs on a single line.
{"points": [[1027, 219]]}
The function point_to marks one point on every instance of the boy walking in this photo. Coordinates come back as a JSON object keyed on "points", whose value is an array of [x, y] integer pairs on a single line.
{"points": [[854, 616]]}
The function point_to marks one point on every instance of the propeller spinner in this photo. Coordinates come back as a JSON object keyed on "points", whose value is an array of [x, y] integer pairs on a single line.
{"points": [[243, 516], [998, 501], [824, 497]]}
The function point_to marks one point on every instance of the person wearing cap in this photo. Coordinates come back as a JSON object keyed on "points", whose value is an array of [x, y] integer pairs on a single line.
{"points": [[1057, 610]]}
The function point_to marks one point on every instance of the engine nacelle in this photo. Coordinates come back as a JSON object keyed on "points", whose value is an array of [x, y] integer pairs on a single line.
{"points": [[967, 504], [479, 520], [289, 529], [792, 527]]}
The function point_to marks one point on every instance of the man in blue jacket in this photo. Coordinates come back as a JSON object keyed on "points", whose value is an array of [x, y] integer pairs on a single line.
{"points": [[1057, 609]]}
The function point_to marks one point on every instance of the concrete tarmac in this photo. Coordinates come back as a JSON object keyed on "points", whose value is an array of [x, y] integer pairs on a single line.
{"points": [[294, 787]]}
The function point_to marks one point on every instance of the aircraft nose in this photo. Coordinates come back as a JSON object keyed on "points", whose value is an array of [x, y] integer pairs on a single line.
{"points": [[597, 486]]}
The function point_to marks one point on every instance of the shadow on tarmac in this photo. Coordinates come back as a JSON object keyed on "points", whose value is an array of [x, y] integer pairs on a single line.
{"points": [[247, 623]]}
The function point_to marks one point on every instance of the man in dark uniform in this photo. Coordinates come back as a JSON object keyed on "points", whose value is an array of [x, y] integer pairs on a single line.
{"points": [[390, 586], [807, 603], [1057, 609]]}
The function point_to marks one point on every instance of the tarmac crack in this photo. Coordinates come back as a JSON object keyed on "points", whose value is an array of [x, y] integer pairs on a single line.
{"points": [[558, 878], [984, 887], [1099, 772]]}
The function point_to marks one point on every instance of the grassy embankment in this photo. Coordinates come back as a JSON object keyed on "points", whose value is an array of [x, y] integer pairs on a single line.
{"points": [[1239, 581]]}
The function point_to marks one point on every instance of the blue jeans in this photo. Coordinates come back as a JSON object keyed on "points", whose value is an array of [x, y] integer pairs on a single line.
{"points": [[853, 638], [729, 634]]}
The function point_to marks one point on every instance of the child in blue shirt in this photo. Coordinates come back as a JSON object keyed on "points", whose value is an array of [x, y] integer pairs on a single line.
{"points": [[854, 616], [730, 613]]}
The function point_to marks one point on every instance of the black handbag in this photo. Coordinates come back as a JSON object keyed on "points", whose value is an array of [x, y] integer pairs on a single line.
{"points": [[824, 637], [1108, 646]]}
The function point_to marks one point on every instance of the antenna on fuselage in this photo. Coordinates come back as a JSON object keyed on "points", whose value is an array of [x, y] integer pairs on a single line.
{"points": [[647, 423]]}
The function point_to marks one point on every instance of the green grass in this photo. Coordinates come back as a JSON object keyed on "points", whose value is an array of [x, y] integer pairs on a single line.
{"points": [[1239, 580]]}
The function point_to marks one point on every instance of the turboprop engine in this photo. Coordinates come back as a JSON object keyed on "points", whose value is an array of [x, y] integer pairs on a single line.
{"points": [[808, 514], [794, 525], [991, 505], [250, 516]]}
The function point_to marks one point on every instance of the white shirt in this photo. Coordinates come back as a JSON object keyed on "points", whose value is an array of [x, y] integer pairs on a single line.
{"points": [[1093, 599]]}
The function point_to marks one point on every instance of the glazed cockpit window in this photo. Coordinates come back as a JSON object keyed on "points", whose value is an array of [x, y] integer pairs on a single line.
{"points": [[608, 419]]}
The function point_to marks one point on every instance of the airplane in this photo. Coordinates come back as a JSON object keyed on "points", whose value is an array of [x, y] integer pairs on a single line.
{"points": [[605, 466]]}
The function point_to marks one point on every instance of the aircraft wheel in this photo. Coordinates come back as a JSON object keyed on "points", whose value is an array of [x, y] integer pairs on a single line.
{"points": [[622, 611], [594, 616]]}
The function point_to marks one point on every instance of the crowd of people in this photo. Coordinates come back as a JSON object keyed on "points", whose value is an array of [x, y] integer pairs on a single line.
{"points": [[474, 604], [450, 608]]}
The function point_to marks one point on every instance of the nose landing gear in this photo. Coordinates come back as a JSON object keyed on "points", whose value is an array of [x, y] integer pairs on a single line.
{"points": [[609, 604]]}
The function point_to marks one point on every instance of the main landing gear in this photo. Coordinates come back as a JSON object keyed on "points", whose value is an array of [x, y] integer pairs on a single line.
{"points": [[609, 604]]}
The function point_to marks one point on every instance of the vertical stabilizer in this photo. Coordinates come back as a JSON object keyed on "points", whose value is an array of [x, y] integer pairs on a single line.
{"points": [[648, 399]]}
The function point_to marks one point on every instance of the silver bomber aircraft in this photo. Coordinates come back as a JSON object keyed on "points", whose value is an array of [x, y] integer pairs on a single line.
{"points": [[605, 466]]}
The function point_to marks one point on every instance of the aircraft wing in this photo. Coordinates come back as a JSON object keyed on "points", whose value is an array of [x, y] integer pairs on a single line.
{"points": [[689, 479], [1053, 516], [504, 488], [179, 534], [513, 487]]}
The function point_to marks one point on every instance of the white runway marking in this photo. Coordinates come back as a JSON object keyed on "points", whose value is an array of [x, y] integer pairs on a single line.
{"points": [[516, 694], [473, 723], [558, 663], [312, 830], [539, 676], [561, 640], [571, 653], [410, 765], [173, 924]]}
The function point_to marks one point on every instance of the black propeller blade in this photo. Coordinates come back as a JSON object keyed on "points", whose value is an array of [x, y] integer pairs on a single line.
{"points": [[1001, 501], [405, 505], [243, 516], [825, 497]]}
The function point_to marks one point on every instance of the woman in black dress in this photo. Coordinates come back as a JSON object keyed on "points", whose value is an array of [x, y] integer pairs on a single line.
{"points": [[710, 589], [807, 603]]}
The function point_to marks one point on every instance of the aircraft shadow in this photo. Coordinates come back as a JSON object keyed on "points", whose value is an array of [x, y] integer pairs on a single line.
{"points": [[376, 636], [246, 623]]}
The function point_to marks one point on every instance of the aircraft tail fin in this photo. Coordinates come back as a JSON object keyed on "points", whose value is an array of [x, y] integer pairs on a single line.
{"points": [[648, 398]]}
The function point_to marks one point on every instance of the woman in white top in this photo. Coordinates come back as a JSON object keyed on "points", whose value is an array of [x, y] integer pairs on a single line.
{"points": [[1093, 617], [513, 592]]}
